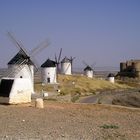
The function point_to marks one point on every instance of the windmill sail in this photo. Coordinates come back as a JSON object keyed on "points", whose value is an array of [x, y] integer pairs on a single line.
{"points": [[57, 60]]}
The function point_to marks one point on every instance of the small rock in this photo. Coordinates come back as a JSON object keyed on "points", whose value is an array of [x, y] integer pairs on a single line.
{"points": [[62, 135], [61, 127], [6, 136]]}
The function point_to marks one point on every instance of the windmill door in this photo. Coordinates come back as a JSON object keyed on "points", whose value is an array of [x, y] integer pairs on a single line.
{"points": [[48, 80], [5, 87]]}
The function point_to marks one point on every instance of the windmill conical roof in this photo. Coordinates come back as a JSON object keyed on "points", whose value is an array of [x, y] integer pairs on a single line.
{"points": [[20, 58], [88, 68], [111, 75], [65, 60], [48, 63]]}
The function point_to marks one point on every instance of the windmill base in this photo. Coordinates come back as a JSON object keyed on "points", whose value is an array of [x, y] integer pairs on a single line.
{"points": [[15, 91]]}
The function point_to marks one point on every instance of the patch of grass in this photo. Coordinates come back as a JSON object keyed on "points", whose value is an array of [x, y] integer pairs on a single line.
{"points": [[50, 99], [81, 84], [39, 87], [75, 98], [107, 126]]}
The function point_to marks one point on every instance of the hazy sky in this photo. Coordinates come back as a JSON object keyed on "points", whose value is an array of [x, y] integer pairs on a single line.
{"points": [[104, 32]]}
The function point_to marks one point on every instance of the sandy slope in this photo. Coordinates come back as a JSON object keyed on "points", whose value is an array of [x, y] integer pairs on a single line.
{"points": [[69, 122]]}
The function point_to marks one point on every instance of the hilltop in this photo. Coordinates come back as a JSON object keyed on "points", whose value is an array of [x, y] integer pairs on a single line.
{"points": [[73, 87]]}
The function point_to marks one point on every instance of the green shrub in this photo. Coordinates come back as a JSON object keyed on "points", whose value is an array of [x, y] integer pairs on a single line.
{"points": [[111, 126]]}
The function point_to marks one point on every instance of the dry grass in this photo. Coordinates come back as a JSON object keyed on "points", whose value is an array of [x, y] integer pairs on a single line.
{"points": [[73, 84]]}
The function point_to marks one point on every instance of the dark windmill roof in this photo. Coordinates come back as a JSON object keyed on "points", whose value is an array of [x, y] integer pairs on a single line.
{"points": [[65, 60], [111, 75], [88, 68], [20, 58], [48, 63]]}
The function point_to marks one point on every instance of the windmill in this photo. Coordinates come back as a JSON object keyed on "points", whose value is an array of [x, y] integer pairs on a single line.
{"points": [[20, 75], [66, 65], [48, 72], [88, 70], [111, 78]]}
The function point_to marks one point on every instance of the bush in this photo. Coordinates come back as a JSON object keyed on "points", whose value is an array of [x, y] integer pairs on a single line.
{"points": [[106, 126]]}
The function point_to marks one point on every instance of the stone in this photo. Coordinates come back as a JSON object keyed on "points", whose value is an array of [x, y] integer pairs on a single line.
{"points": [[39, 103]]}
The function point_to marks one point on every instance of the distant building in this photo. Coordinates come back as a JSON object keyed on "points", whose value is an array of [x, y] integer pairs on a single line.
{"points": [[130, 68]]}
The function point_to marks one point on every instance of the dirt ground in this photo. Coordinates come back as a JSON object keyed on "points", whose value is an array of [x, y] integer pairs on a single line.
{"points": [[67, 121]]}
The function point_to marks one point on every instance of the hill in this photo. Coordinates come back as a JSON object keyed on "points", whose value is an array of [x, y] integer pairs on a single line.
{"points": [[74, 86]]}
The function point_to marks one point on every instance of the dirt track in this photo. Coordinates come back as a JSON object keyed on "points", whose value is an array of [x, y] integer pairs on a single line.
{"points": [[59, 121], [129, 98]]}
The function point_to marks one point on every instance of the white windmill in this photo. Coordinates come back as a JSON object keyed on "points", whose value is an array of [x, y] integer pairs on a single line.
{"points": [[21, 66], [66, 65], [111, 78], [49, 72], [88, 70], [18, 83]]}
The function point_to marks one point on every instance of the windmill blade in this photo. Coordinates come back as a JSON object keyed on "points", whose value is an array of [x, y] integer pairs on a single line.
{"points": [[40, 47], [72, 58], [59, 55], [19, 68], [35, 63], [18, 44], [93, 65], [56, 59], [85, 63]]}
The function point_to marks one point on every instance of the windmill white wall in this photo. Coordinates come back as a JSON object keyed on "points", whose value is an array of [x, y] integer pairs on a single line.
{"points": [[89, 73], [66, 66], [49, 75], [17, 90], [22, 71], [111, 79]]}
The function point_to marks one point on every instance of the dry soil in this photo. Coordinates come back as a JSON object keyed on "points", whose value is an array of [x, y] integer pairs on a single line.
{"points": [[67, 121]]}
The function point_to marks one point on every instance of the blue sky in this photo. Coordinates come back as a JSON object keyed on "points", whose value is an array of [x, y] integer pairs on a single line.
{"points": [[104, 32]]}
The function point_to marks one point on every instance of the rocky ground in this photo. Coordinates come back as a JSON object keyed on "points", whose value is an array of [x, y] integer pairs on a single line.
{"points": [[68, 121]]}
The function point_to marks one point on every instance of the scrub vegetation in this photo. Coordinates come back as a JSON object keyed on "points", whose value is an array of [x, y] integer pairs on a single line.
{"points": [[79, 84]]}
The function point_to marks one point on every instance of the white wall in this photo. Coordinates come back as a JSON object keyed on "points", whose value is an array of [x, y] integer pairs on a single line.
{"points": [[66, 68], [20, 92], [111, 79], [24, 71], [89, 73], [49, 72]]}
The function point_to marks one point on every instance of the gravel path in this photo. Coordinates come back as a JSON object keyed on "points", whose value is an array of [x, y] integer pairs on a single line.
{"points": [[65, 121]]}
